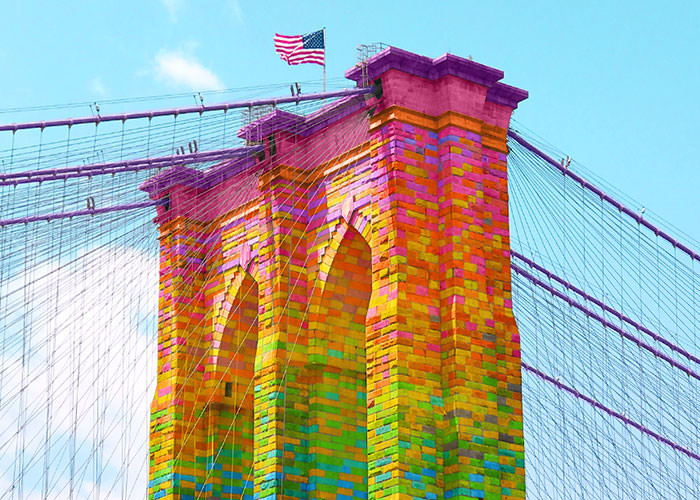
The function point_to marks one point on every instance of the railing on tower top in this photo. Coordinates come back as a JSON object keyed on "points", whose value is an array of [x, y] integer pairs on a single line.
{"points": [[364, 52]]}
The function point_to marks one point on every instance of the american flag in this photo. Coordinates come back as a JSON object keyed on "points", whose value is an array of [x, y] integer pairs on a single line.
{"points": [[300, 49]]}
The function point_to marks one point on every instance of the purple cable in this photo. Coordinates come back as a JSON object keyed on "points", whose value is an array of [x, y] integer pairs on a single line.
{"points": [[183, 111], [611, 412], [606, 323], [89, 211], [14, 178], [607, 308], [602, 195]]}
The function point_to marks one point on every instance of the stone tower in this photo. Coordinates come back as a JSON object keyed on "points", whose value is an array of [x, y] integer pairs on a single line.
{"points": [[335, 311]]}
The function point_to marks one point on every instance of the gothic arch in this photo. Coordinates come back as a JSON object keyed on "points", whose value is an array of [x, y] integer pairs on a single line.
{"points": [[229, 374], [356, 220], [337, 366]]}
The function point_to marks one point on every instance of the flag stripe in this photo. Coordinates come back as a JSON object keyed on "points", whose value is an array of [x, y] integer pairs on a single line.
{"points": [[301, 49]]}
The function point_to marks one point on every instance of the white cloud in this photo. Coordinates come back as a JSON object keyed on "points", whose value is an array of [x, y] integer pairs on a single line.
{"points": [[97, 87], [180, 70], [173, 7], [91, 374], [236, 10]]}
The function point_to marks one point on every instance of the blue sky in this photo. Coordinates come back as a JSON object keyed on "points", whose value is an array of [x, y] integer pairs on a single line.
{"points": [[611, 83]]}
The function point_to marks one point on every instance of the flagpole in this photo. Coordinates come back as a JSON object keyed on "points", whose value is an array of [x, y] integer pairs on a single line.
{"points": [[324, 59]]}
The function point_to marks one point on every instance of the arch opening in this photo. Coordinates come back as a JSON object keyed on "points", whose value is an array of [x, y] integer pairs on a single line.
{"points": [[337, 372], [230, 411]]}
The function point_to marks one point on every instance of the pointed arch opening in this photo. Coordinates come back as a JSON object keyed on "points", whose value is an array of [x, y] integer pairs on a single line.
{"points": [[337, 369], [230, 413]]}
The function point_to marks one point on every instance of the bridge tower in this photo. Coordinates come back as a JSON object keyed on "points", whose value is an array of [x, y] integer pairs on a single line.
{"points": [[335, 313]]}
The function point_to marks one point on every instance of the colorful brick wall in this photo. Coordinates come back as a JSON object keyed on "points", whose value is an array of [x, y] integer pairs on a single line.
{"points": [[335, 320]]}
